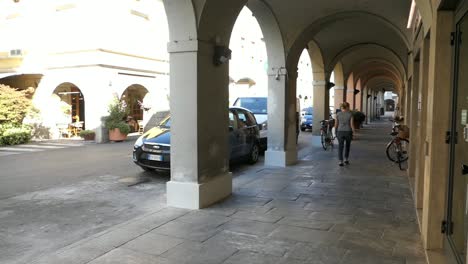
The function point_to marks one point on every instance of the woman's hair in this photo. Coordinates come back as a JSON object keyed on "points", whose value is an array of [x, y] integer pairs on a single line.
{"points": [[344, 105]]}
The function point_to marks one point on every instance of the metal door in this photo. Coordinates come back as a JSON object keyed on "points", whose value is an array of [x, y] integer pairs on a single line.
{"points": [[457, 211]]}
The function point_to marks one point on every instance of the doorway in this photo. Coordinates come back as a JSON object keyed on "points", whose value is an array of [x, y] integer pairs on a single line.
{"points": [[69, 105], [456, 226]]}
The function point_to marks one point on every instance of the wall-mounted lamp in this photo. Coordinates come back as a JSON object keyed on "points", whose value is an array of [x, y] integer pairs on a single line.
{"points": [[369, 96], [375, 97], [356, 91], [221, 55], [329, 85]]}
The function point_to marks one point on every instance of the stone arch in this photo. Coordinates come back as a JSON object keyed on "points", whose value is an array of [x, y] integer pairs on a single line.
{"points": [[71, 94], [309, 33], [316, 58], [390, 57], [134, 96], [339, 87], [379, 63], [349, 89], [381, 73], [217, 18], [350, 80], [49, 83], [62, 111], [181, 20], [339, 75], [281, 89], [271, 33], [321, 92]]}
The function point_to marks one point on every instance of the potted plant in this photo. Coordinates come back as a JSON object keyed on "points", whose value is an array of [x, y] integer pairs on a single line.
{"points": [[358, 118], [87, 134], [115, 121]]}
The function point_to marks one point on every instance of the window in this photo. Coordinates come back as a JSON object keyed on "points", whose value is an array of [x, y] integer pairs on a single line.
{"points": [[244, 121], [232, 121], [256, 105], [166, 124], [251, 118]]}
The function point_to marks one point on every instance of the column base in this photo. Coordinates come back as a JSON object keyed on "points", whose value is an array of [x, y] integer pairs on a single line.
{"points": [[279, 158], [194, 196]]}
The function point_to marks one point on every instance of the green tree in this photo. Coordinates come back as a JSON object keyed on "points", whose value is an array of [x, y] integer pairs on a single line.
{"points": [[14, 104]]}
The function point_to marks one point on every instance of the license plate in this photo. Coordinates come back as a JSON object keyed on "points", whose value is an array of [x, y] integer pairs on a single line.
{"points": [[155, 157]]}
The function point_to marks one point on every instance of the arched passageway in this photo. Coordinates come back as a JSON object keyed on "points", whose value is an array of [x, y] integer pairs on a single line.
{"points": [[389, 105], [370, 48], [330, 48], [200, 165], [134, 97], [68, 109]]}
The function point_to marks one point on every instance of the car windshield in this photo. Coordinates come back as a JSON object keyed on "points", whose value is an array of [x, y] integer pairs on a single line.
{"points": [[166, 123], [308, 111], [255, 105]]}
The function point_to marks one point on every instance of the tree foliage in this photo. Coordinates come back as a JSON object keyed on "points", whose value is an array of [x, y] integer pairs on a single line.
{"points": [[14, 104]]}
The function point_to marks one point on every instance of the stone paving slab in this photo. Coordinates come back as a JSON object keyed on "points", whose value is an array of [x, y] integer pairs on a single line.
{"points": [[314, 212]]}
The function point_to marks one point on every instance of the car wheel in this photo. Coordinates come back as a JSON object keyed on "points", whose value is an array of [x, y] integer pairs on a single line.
{"points": [[303, 129], [254, 153], [146, 168]]}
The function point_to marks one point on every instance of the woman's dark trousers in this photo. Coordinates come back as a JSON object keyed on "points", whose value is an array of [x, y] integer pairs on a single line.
{"points": [[344, 138]]}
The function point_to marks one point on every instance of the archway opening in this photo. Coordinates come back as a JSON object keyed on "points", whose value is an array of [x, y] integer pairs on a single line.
{"points": [[134, 97], [249, 58], [248, 67], [69, 110], [305, 91]]}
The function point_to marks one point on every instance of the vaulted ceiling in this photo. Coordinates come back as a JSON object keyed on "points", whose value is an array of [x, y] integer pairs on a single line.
{"points": [[369, 37]]}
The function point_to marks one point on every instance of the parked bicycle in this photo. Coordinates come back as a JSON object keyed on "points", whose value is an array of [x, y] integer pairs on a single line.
{"points": [[326, 133], [397, 148]]}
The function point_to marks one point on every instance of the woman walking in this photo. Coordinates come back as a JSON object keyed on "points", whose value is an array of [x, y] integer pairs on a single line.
{"points": [[344, 128]]}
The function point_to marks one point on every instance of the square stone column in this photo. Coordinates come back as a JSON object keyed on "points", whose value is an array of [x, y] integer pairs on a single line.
{"points": [[199, 132], [365, 103], [350, 98], [413, 113], [339, 96], [437, 123], [321, 108], [282, 126], [358, 97], [421, 125]]}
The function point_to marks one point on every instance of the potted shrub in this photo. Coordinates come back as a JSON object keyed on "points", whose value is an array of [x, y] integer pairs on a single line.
{"points": [[115, 121], [87, 134], [358, 118]]}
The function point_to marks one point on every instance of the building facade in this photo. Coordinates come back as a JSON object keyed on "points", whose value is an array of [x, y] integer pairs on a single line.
{"points": [[79, 55]]}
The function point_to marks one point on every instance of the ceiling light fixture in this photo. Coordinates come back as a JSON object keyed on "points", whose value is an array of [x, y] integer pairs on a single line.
{"points": [[411, 14]]}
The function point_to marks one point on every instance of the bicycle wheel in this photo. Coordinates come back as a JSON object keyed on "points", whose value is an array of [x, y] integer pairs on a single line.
{"points": [[330, 139], [404, 146], [323, 138], [391, 151], [399, 161]]}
